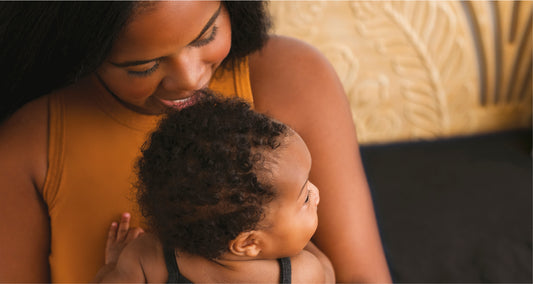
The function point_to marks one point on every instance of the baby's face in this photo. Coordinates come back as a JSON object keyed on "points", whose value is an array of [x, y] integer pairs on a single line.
{"points": [[291, 219]]}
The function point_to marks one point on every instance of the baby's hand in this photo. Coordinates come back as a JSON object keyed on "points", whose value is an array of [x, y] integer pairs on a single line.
{"points": [[118, 237]]}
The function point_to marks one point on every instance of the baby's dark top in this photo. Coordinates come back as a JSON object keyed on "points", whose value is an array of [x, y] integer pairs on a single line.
{"points": [[174, 275]]}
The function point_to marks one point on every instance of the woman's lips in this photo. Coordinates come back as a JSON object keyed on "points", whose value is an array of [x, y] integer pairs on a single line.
{"points": [[181, 103]]}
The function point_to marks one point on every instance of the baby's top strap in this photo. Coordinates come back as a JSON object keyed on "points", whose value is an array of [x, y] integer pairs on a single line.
{"points": [[285, 270], [174, 275]]}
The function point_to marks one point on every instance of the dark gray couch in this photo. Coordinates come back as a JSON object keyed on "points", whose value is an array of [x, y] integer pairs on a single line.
{"points": [[455, 210]]}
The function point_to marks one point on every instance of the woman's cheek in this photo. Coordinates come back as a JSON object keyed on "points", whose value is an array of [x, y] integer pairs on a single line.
{"points": [[222, 44], [127, 87], [226, 44], [140, 88]]}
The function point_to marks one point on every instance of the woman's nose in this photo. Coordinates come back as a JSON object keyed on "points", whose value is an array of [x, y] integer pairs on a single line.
{"points": [[185, 73]]}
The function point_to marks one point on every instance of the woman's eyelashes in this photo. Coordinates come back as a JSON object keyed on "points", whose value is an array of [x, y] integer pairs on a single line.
{"points": [[198, 43], [145, 72], [205, 40]]}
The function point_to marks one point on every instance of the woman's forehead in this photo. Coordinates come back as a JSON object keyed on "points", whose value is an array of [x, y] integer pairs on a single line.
{"points": [[143, 6], [159, 26]]}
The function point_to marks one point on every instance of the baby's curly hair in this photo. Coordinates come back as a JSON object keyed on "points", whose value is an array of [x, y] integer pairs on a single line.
{"points": [[203, 174]]}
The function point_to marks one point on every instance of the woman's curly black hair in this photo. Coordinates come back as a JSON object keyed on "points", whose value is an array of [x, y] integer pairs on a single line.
{"points": [[203, 174]]}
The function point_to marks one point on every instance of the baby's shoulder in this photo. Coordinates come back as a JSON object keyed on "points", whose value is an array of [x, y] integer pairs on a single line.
{"points": [[146, 241], [148, 250], [304, 268], [147, 247]]}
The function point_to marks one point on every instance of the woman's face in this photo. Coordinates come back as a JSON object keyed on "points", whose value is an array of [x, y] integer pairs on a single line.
{"points": [[169, 50]]}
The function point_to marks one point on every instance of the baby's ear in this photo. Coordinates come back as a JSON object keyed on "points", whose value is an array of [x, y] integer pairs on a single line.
{"points": [[246, 244]]}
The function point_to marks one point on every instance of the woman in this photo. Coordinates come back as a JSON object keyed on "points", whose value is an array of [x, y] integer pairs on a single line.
{"points": [[88, 81]]}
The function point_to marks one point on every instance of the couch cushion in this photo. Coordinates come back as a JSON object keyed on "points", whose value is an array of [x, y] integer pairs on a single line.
{"points": [[455, 210]]}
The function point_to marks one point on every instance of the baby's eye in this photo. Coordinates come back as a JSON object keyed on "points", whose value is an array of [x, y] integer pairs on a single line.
{"points": [[307, 198]]}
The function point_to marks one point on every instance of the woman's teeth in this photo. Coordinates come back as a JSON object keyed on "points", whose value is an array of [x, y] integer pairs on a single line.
{"points": [[181, 100]]}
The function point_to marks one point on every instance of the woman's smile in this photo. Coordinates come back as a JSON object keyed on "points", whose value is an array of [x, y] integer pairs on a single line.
{"points": [[150, 72], [181, 103]]}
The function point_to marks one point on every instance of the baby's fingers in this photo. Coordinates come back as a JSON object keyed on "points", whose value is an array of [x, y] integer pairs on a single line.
{"points": [[133, 234], [112, 234], [123, 227]]}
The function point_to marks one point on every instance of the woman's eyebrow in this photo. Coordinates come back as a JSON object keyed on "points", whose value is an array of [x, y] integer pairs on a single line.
{"points": [[209, 23], [205, 28]]}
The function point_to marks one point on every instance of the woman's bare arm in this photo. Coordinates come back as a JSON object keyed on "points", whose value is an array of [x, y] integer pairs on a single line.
{"points": [[294, 83], [306, 267], [327, 267], [25, 237]]}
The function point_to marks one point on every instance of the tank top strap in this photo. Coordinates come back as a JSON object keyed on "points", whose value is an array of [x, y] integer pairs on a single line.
{"points": [[56, 139], [233, 80]]}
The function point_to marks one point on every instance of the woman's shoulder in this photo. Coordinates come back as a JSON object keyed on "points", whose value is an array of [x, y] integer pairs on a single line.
{"points": [[285, 55], [306, 268], [285, 50], [291, 79], [24, 140]]}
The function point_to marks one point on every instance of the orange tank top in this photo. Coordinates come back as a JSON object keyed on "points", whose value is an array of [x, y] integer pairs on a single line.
{"points": [[93, 145]]}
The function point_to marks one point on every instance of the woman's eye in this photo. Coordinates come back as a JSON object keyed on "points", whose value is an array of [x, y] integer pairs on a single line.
{"points": [[206, 39], [144, 72]]}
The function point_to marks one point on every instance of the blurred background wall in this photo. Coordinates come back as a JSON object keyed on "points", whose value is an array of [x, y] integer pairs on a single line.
{"points": [[422, 70]]}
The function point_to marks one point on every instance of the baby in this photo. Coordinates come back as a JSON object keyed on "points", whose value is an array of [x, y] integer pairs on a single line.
{"points": [[226, 193]]}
